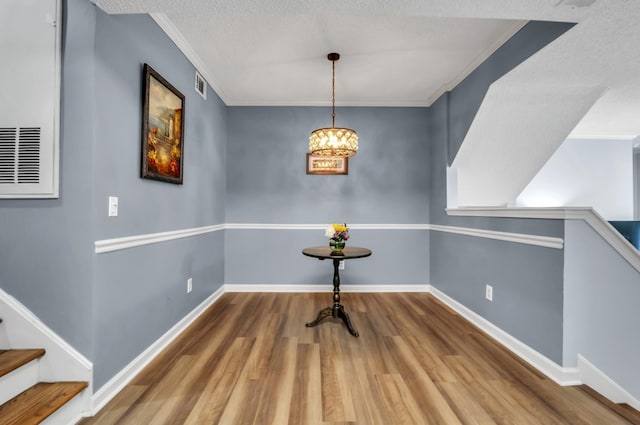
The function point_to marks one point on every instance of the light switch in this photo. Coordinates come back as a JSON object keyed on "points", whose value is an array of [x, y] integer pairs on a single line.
{"points": [[113, 206]]}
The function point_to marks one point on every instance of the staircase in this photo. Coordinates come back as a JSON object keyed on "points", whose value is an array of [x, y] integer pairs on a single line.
{"points": [[24, 400]]}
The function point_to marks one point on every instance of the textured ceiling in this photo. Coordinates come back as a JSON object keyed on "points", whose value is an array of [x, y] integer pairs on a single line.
{"points": [[394, 53], [407, 52]]}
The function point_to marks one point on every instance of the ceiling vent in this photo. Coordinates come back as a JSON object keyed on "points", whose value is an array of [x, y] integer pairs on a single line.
{"points": [[201, 86]]}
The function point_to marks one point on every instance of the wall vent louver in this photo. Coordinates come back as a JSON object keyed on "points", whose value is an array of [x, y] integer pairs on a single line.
{"points": [[8, 142], [201, 86], [30, 106], [20, 155], [29, 155]]}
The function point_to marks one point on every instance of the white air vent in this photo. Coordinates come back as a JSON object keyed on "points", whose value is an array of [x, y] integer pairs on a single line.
{"points": [[30, 87], [201, 85], [20, 155]]}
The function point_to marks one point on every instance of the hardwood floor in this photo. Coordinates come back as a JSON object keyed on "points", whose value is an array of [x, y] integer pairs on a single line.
{"points": [[250, 360]]}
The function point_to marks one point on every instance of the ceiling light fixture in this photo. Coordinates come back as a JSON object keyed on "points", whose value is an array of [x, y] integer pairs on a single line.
{"points": [[333, 142]]}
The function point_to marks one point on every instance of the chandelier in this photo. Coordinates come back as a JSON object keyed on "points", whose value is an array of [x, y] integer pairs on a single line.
{"points": [[333, 142]]}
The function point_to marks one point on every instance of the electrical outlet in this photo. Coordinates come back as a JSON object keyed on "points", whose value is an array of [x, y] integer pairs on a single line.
{"points": [[341, 266], [488, 292], [189, 285]]}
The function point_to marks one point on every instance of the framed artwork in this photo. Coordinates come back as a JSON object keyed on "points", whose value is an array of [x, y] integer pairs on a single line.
{"points": [[327, 165], [162, 129]]}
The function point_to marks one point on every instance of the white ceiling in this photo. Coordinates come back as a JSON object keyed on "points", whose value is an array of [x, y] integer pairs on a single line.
{"points": [[394, 53], [408, 52]]}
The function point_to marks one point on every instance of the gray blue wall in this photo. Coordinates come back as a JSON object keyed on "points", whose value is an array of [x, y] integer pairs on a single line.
{"points": [[527, 281], [112, 306], [140, 293], [267, 183], [601, 307]]}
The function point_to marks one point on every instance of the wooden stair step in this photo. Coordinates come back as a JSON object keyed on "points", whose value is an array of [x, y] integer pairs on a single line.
{"points": [[38, 402], [10, 360]]}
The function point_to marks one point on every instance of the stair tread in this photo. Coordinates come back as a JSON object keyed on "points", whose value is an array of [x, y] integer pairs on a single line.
{"points": [[10, 360], [35, 404]]}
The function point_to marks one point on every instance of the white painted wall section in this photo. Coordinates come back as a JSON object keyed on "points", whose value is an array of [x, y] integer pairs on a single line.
{"points": [[512, 137], [586, 173]]}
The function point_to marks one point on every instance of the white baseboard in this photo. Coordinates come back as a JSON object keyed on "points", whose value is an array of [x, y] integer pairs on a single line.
{"points": [[323, 287], [562, 375], [120, 380], [596, 379], [565, 376], [23, 329]]}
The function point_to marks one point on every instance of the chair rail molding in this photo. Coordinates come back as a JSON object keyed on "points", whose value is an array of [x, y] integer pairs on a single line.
{"points": [[116, 244], [595, 220]]}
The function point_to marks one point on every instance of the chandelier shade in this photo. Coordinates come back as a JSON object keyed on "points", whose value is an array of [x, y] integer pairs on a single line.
{"points": [[333, 141]]}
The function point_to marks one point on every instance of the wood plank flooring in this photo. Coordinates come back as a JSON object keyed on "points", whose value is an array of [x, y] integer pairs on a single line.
{"points": [[250, 360]]}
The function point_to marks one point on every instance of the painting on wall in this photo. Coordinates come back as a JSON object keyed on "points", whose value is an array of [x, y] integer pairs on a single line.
{"points": [[162, 129], [327, 165]]}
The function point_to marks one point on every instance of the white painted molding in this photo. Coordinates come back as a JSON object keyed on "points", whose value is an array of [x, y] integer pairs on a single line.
{"points": [[603, 137], [595, 220], [22, 329], [564, 376], [14, 337], [181, 43], [275, 226], [545, 241], [561, 375], [559, 213], [110, 245], [122, 378], [322, 287], [596, 379]]}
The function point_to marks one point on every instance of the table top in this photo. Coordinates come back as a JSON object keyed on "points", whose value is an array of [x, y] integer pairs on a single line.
{"points": [[324, 252]]}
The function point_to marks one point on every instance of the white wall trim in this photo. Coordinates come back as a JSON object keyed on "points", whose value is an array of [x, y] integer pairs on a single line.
{"points": [[122, 378], [110, 245], [596, 379], [565, 376], [23, 329], [116, 244], [545, 241], [34, 321], [322, 288], [595, 220], [561, 375], [275, 226]]}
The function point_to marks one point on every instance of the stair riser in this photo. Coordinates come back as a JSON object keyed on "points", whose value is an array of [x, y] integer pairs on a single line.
{"points": [[17, 381], [68, 414]]}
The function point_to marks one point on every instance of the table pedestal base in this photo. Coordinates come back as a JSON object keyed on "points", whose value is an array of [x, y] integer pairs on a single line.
{"points": [[337, 312]]}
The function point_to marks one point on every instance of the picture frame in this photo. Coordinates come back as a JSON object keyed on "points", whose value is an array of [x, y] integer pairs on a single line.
{"points": [[162, 129], [327, 165]]}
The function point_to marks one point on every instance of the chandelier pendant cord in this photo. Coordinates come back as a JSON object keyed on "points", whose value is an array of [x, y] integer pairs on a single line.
{"points": [[333, 94]]}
